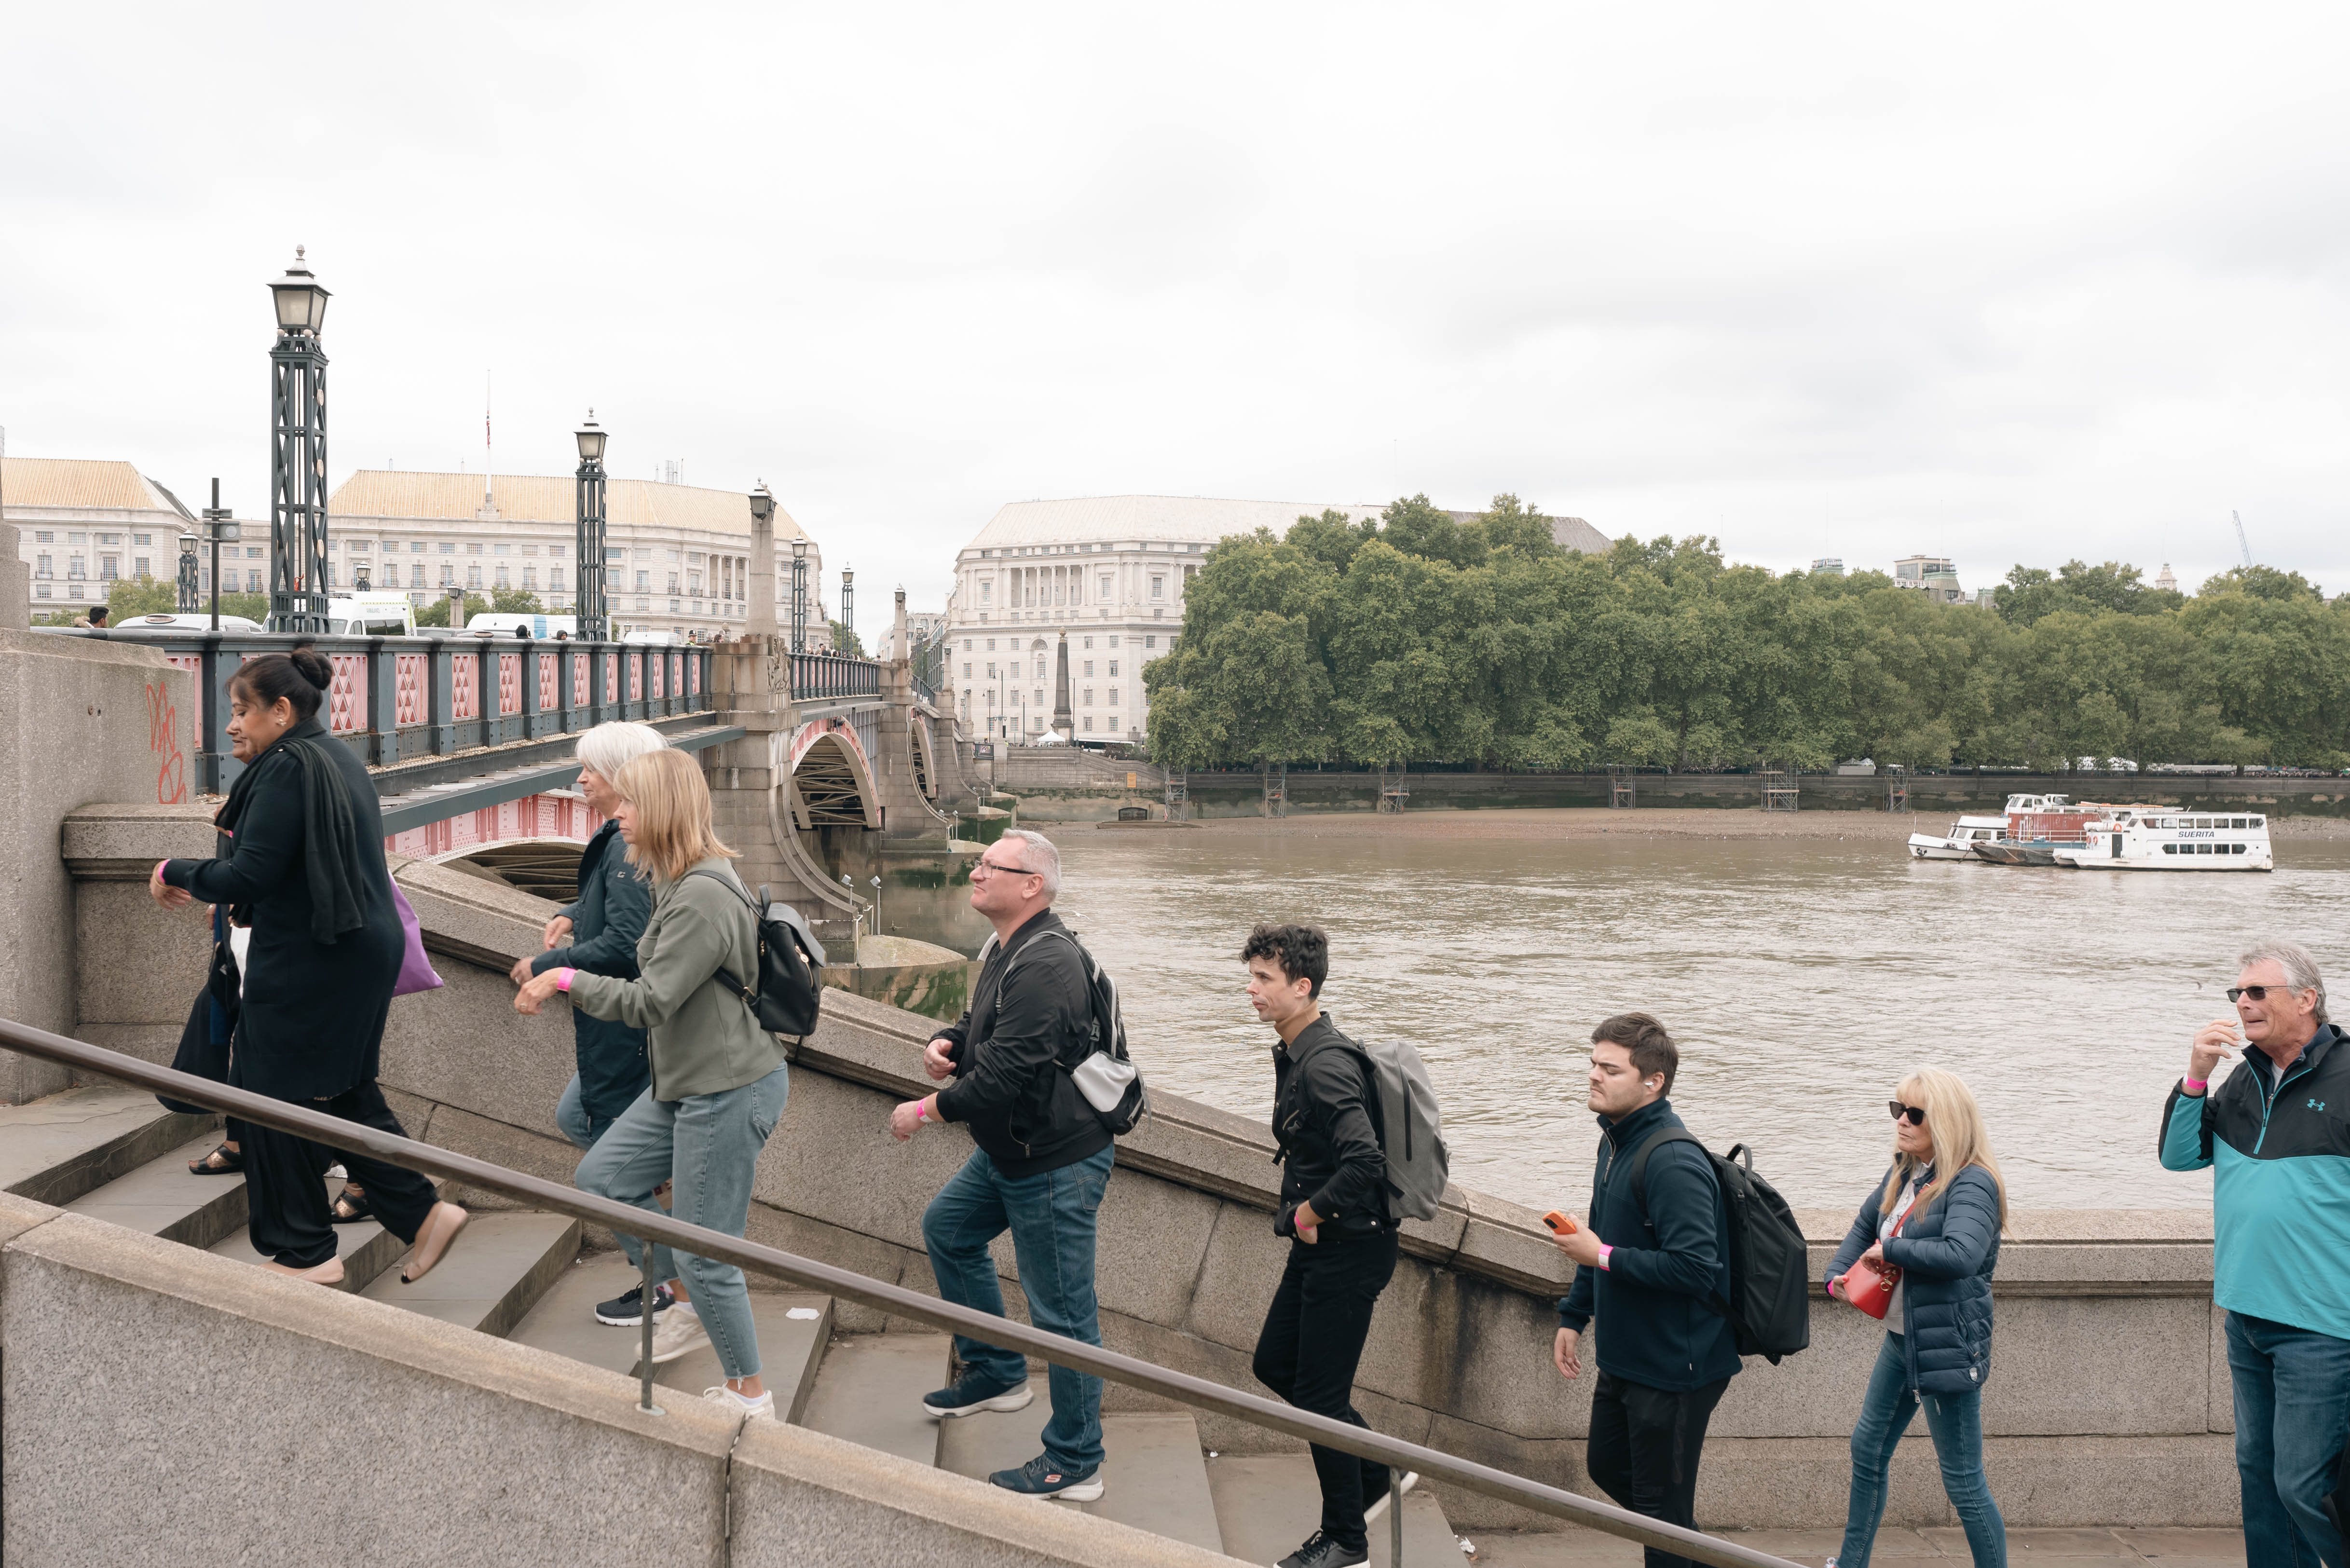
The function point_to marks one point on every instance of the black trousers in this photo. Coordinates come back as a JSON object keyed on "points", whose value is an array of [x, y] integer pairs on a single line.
{"points": [[1307, 1353], [291, 1218], [1644, 1450]]}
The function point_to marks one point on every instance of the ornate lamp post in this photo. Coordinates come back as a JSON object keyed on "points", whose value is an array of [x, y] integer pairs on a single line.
{"points": [[847, 625], [188, 599], [298, 593], [594, 609], [799, 595], [761, 621]]}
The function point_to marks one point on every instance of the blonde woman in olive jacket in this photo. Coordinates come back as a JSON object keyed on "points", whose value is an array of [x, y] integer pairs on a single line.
{"points": [[718, 1079]]}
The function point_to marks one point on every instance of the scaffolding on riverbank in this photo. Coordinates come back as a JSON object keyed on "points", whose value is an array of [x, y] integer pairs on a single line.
{"points": [[1274, 778], [1395, 789], [1896, 788], [1781, 792], [1621, 790]]}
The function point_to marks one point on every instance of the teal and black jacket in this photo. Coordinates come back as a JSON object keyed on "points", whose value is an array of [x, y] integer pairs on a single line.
{"points": [[2281, 1184]]}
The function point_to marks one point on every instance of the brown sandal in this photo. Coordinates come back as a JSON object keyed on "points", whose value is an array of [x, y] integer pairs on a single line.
{"points": [[351, 1206], [221, 1161]]}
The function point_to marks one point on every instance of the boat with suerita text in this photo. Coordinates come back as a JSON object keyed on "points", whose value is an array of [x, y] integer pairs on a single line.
{"points": [[2164, 839]]}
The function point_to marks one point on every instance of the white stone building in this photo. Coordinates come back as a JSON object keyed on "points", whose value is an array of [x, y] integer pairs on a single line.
{"points": [[82, 524], [1934, 576], [1110, 573], [680, 557]]}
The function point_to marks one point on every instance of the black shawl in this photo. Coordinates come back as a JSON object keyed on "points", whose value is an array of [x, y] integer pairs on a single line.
{"points": [[332, 859]]}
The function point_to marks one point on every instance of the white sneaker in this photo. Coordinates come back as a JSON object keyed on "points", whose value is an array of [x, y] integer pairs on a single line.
{"points": [[677, 1332], [1379, 1505], [763, 1408]]}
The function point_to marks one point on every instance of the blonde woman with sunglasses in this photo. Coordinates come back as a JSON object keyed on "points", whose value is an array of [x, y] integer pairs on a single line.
{"points": [[1937, 1218]]}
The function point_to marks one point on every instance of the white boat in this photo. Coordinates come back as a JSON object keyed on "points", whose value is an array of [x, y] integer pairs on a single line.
{"points": [[1958, 843], [2161, 838]]}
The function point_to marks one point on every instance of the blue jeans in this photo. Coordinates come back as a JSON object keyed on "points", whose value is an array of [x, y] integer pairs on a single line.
{"points": [[1956, 1422], [2293, 1406], [1051, 1218], [706, 1147], [573, 1121]]}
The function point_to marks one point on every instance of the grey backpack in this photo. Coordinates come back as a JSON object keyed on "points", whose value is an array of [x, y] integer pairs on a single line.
{"points": [[1409, 1128]]}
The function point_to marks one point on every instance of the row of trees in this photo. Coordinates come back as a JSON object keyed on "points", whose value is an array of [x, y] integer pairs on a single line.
{"points": [[1420, 638]]}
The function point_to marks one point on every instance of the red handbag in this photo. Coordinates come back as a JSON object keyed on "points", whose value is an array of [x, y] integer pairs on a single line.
{"points": [[1869, 1285]]}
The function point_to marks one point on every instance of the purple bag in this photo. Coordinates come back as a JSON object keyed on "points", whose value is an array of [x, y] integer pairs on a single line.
{"points": [[415, 969]]}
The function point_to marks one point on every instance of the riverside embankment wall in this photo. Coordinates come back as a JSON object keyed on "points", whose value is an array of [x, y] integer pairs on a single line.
{"points": [[1049, 793], [2108, 1398]]}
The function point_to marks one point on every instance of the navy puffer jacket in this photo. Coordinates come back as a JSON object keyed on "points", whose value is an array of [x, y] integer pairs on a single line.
{"points": [[1946, 1255]]}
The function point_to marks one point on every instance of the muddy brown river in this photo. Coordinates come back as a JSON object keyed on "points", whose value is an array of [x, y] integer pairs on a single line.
{"points": [[1801, 975]]}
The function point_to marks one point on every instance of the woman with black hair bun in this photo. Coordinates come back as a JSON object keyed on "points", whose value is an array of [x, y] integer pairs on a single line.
{"points": [[305, 872]]}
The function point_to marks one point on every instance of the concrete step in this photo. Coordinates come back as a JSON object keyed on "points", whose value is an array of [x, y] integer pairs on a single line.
{"points": [[791, 1349], [1153, 1475], [1267, 1504], [869, 1391], [366, 1247], [56, 1148], [499, 1265], [161, 1198]]}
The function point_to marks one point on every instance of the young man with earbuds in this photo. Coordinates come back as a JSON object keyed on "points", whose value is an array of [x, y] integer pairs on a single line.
{"points": [[1652, 1259]]}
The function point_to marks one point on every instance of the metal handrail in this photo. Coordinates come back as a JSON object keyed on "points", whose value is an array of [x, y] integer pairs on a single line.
{"points": [[894, 1300]]}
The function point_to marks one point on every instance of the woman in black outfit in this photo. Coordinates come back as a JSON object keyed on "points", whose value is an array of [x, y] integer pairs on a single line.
{"points": [[305, 871]]}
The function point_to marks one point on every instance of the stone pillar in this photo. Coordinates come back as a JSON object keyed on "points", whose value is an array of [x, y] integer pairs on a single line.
{"points": [[1064, 725], [898, 643], [15, 583], [760, 614]]}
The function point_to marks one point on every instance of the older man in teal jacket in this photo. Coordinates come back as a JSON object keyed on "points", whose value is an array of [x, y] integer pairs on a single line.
{"points": [[2276, 1135]]}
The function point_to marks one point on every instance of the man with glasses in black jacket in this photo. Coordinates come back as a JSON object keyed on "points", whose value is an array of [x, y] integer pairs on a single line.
{"points": [[1040, 1169], [1334, 1210]]}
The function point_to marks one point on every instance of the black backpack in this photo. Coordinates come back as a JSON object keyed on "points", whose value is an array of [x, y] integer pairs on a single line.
{"points": [[788, 997], [1769, 1308]]}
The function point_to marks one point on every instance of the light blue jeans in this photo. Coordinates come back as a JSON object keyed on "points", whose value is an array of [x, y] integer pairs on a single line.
{"points": [[1956, 1422], [2292, 1414], [572, 1120], [706, 1147], [1052, 1218]]}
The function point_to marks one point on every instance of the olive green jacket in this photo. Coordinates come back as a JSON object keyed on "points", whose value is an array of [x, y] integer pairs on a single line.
{"points": [[701, 1037]]}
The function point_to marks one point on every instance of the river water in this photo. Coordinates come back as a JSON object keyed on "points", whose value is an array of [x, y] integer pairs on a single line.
{"points": [[1799, 977]]}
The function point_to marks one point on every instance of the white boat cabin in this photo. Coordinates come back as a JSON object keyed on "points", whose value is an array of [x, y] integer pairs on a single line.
{"points": [[1956, 844], [2155, 838]]}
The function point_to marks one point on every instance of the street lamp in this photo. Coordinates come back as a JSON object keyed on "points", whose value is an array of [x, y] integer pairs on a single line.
{"points": [[799, 595], [594, 609], [761, 611], [846, 599], [188, 600], [298, 595]]}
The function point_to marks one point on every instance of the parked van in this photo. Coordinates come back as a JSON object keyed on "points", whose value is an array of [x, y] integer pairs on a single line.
{"points": [[186, 623], [538, 625], [372, 615]]}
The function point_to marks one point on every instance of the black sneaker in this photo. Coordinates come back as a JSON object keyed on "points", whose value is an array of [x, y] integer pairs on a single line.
{"points": [[972, 1393], [627, 1311], [1321, 1552]]}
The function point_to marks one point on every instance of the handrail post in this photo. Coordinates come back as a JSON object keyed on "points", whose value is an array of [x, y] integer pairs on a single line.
{"points": [[208, 745], [566, 689], [645, 1344], [1395, 1518], [384, 703], [532, 725], [441, 695]]}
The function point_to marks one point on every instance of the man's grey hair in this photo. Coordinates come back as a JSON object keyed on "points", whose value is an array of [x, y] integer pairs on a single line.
{"points": [[2300, 968], [1040, 858], [608, 748]]}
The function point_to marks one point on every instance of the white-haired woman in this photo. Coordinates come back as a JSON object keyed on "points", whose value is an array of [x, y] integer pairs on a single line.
{"points": [[1936, 1218], [597, 932], [718, 1078]]}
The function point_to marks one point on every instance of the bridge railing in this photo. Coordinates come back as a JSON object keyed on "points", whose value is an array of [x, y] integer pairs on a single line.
{"points": [[396, 699], [896, 1301], [822, 675]]}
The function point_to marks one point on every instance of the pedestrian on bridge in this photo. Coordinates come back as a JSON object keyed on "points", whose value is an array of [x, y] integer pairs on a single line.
{"points": [[305, 872], [598, 932]]}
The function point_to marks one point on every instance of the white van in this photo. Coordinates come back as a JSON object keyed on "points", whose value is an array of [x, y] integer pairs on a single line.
{"points": [[541, 627], [652, 638], [372, 615], [202, 622]]}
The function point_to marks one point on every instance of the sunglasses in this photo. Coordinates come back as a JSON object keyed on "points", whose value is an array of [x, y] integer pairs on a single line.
{"points": [[1916, 1114], [2257, 992]]}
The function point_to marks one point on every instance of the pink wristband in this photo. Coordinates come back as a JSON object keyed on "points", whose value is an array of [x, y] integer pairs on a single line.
{"points": [[1604, 1251], [922, 1109], [2195, 1085], [563, 979], [158, 872]]}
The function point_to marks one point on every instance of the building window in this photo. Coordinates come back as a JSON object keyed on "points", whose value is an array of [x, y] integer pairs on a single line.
{"points": [[1113, 696], [362, 545], [1113, 667], [506, 549], [986, 593], [1113, 642], [44, 537], [448, 576], [1158, 588], [1089, 722], [473, 576], [1089, 697], [1089, 669], [530, 580], [110, 538], [991, 671], [142, 566], [501, 576], [673, 555], [416, 576], [1150, 643], [473, 549], [77, 538], [142, 538], [448, 548], [694, 582], [555, 580], [252, 551], [644, 581], [251, 581], [556, 551], [42, 568], [672, 581], [41, 592], [77, 565]]}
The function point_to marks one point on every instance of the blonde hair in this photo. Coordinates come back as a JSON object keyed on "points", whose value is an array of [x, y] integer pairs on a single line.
{"points": [[674, 831], [1955, 1123]]}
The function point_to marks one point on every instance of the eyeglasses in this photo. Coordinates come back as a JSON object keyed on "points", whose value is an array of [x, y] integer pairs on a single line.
{"points": [[2257, 992], [1916, 1114], [990, 868]]}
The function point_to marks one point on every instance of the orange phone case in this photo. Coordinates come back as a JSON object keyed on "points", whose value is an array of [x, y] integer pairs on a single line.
{"points": [[1562, 1224]]}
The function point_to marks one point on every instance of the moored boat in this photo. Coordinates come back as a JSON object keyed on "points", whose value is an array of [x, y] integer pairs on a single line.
{"points": [[2163, 838], [2035, 827], [1958, 843]]}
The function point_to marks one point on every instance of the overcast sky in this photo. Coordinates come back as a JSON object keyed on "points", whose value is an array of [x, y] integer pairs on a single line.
{"points": [[2003, 282]]}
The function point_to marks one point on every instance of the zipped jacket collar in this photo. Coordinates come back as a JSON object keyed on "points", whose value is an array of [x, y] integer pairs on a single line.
{"points": [[2312, 1057], [1626, 1134]]}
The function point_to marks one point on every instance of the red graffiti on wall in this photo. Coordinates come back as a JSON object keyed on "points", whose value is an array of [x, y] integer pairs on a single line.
{"points": [[163, 740]]}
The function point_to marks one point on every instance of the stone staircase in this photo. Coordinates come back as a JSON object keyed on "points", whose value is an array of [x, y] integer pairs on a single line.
{"points": [[113, 1154]]}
